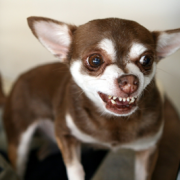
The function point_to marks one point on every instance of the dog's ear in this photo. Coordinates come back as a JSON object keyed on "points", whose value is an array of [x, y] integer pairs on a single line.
{"points": [[54, 35], [167, 42]]}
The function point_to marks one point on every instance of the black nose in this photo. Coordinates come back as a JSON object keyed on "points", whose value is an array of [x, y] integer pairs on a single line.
{"points": [[128, 83]]}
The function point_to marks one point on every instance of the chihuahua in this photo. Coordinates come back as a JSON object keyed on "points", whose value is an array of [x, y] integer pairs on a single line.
{"points": [[103, 92]]}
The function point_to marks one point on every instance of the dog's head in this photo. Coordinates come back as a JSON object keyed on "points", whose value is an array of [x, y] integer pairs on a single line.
{"points": [[112, 60]]}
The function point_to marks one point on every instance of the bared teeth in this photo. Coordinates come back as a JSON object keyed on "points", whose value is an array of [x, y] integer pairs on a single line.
{"points": [[113, 102], [128, 99], [132, 100], [109, 97]]}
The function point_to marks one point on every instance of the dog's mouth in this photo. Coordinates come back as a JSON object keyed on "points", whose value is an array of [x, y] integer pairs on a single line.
{"points": [[119, 105]]}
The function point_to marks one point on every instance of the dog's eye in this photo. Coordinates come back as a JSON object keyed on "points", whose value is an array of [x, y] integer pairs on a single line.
{"points": [[146, 60], [95, 60]]}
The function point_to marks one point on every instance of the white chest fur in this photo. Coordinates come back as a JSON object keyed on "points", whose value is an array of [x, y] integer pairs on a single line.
{"points": [[139, 144]]}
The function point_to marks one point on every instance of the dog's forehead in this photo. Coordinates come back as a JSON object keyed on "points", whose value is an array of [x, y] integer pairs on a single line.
{"points": [[113, 33]]}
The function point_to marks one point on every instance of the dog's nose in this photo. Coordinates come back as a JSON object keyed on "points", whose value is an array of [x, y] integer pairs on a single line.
{"points": [[128, 83]]}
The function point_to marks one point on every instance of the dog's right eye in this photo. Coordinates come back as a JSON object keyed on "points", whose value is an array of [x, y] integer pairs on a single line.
{"points": [[95, 60], [146, 61]]}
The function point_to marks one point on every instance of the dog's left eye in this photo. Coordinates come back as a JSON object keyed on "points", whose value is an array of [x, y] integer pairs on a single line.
{"points": [[146, 60], [95, 60]]}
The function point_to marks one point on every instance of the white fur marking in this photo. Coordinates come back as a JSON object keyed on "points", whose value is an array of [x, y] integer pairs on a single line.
{"points": [[141, 163], [23, 149], [47, 127], [108, 46], [139, 144], [75, 171], [136, 50], [74, 168], [140, 170], [77, 133]]}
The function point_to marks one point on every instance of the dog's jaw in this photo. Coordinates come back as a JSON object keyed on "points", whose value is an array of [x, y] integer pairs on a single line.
{"points": [[119, 106]]}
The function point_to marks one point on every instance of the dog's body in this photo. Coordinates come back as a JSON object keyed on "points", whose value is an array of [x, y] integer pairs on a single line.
{"points": [[105, 94]]}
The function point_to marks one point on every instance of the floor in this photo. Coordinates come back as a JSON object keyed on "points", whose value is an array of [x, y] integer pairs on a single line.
{"points": [[116, 165]]}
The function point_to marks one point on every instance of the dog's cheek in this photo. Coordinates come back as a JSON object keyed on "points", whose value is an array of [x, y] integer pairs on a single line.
{"points": [[108, 79], [148, 78], [83, 80], [87, 83], [104, 83]]}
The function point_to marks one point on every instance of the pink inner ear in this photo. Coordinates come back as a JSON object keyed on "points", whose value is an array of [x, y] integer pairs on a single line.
{"points": [[168, 44], [168, 50], [57, 49], [54, 36]]}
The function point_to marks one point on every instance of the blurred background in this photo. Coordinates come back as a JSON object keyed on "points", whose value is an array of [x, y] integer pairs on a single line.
{"points": [[20, 51]]}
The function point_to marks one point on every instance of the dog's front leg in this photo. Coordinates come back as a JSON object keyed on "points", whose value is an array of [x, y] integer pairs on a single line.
{"points": [[71, 152], [144, 163]]}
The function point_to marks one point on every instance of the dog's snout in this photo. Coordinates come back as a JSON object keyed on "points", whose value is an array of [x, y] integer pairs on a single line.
{"points": [[128, 83]]}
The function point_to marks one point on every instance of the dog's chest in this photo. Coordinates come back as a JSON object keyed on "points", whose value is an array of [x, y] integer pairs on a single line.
{"points": [[136, 144]]}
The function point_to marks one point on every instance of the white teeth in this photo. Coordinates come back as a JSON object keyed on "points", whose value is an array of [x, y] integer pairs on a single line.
{"points": [[113, 102], [132, 100], [128, 99]]}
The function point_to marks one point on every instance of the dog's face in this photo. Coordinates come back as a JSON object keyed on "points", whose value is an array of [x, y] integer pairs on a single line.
{"points": [[112, 60]]}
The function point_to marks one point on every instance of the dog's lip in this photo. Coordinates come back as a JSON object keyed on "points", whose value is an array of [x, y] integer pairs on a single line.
{"points": [[118, 105]]}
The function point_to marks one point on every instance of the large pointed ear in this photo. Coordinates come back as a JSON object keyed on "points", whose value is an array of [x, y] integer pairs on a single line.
{"points": [[167, 42], [54, 35]]}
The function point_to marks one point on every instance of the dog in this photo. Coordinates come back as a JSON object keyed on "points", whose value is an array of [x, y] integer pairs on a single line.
{"points": [[102, 92]]}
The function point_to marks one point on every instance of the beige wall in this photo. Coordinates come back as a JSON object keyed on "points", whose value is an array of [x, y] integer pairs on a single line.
{"points": [[19, 50]]}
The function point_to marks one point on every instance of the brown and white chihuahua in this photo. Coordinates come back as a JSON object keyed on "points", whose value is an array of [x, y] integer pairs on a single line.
{"points": [[103, 92]]}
